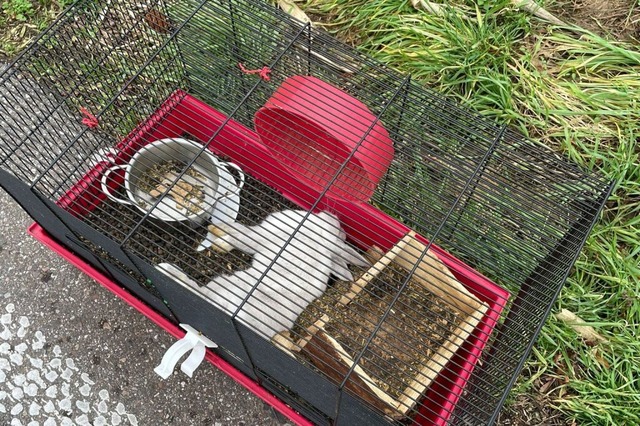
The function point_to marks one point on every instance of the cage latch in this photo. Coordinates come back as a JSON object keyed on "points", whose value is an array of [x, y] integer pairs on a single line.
{"points": [[193, 341]]}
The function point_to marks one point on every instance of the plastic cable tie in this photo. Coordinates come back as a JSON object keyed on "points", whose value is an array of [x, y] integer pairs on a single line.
{"points": [[193, 341]]}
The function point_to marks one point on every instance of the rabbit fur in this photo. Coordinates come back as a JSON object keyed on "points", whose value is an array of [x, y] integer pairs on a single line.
{"points": [[289, 276]]}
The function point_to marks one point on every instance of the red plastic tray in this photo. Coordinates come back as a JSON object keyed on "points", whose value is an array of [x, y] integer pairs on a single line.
{"points": [[365, 225], [41, 235]]}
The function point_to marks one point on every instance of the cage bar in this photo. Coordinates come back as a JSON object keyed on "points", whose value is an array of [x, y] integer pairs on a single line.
{"points": [[295, 201]]}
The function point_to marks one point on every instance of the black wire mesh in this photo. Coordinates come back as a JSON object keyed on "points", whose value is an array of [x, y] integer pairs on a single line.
{"points": [[363, 248]]}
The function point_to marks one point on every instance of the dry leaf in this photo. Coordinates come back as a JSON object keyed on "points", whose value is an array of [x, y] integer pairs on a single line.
{"points": [[292, 9], [158, 21], [533, 8], [436, 8], [585, 331], [546, 385], [597, 354]]}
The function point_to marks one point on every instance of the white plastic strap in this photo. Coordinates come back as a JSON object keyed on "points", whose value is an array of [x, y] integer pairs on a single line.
{"points": [[193, 341]]}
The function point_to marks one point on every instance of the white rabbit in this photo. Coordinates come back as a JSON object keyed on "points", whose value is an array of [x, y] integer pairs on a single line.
{"points": [[292, 268]]}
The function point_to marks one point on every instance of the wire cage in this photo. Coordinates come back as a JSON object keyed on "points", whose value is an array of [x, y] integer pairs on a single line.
{"points": [[360, 247]]}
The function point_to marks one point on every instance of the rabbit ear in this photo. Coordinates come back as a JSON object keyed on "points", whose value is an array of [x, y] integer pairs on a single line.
{"points": [[341, 272], [352, 257], [346, 256]]}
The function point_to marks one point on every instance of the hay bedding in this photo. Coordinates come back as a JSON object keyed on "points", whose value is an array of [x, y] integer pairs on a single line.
{"points": [[416, 326], [187, 192]]}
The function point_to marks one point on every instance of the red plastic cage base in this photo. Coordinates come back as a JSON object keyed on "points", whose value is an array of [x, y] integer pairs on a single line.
{"points": [[364, 224], [41, 235]]}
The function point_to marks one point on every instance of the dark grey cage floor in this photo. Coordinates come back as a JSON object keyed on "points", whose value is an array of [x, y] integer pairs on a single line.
{"points": [[176, 243]]}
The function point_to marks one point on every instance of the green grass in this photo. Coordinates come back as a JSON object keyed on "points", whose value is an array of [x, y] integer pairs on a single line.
{"points": [[578, 93], [22, 20], [574, 91]]}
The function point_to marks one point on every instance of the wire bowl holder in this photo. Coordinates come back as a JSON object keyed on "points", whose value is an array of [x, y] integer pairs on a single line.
{"points": [[403, 252]]}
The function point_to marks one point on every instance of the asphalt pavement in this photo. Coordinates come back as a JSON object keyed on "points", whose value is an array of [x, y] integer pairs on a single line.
{"points": [[71, 352]]}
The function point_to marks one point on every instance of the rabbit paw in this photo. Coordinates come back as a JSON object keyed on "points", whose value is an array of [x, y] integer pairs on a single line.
{"points": [[218, 244], [221, 246], [216, 230], [174, 272]]}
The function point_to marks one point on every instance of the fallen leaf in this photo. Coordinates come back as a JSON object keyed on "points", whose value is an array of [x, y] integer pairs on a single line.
{"points": [[158, 21], [597, 354], [587, 332], [535, 9], [436, 8], [546, 385], [292, 9]]}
